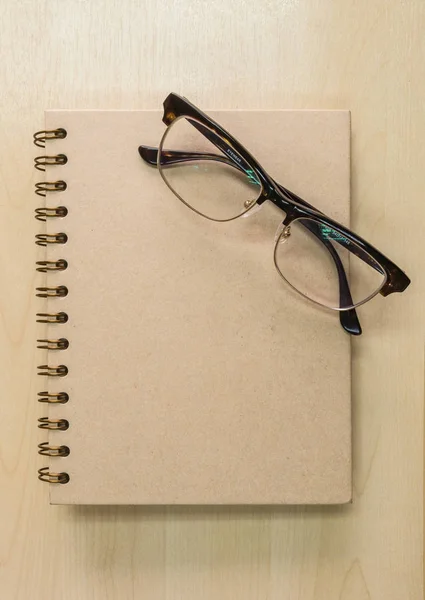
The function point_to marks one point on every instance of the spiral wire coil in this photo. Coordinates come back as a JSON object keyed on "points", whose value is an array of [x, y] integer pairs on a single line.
{"points": [[58, 344]]}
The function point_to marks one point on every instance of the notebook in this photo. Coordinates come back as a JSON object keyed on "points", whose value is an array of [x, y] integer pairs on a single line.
{"points": [[177, 366]]}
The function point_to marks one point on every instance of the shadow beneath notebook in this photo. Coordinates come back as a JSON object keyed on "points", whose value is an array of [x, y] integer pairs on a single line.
{"points": [[197, 512]]}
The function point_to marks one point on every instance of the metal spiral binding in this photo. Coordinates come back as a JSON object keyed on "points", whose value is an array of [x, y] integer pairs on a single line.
{"points": [[40, 137], [60, 317], [42, 239], [60, 291], [41, 162], [55, 424], [60, 398], [45, 475], [51, 265], [47, 450], [44, 213], [44, 187], [59, 344], [49, 371]]}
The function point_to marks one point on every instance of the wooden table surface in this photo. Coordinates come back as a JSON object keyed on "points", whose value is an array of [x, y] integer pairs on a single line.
{"points": [[364, 55]]}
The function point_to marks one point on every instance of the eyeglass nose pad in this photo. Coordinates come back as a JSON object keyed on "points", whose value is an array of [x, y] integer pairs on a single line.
{"points": [[283, 232], [251, 211]]}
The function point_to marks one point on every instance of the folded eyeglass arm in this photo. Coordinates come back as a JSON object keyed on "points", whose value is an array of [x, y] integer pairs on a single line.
{"points": [[348, 319]]}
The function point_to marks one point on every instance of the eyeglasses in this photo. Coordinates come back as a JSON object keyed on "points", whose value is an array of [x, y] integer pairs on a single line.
{"points": [[215, 176]]}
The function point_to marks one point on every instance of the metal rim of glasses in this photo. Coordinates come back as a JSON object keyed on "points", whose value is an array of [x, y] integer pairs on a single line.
{"points": [[316, 302], [164, 177]]}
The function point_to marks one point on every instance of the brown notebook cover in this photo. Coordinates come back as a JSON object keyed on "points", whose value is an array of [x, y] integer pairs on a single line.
{"points": [[196, 375]]}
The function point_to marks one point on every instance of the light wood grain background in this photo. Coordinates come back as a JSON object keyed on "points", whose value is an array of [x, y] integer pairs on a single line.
{"points": [[365, 55]]}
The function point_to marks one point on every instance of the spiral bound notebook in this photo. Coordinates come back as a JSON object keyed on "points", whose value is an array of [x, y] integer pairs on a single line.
{"points": [[176, 367]]}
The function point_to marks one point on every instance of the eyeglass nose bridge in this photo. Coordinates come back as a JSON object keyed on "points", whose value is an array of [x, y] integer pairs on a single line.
{"points": [[283, 232], [252, 207]]}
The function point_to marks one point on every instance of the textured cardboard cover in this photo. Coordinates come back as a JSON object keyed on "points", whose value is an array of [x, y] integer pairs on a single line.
{"points": [[196, 376]]}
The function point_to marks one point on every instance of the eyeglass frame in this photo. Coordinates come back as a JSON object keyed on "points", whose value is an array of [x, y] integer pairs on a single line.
{"points": [[294, 207]]}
